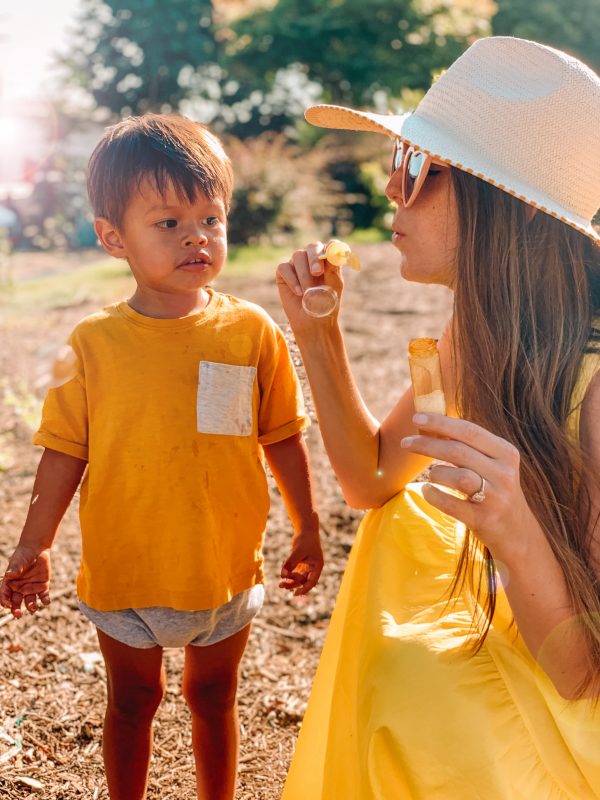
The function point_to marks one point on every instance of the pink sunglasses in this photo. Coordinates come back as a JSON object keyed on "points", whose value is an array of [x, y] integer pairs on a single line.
{"points": [[415, 166]]}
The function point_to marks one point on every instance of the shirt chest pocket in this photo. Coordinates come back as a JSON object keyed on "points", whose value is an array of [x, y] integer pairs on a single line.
{"points": [[224, 403]]}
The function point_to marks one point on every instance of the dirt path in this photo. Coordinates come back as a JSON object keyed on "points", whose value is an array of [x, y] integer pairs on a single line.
{"points": [[51, 678]]}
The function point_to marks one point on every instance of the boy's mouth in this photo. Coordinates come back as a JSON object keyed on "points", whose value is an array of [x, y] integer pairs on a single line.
{"points": [[195, 262]]}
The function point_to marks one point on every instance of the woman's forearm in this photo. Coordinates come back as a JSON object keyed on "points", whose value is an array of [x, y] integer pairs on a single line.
{"points": [[349, 431], [367, 458]]}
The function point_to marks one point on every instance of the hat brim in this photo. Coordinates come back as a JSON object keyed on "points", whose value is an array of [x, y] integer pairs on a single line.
{"points": [[418, 132], [327, 116]]}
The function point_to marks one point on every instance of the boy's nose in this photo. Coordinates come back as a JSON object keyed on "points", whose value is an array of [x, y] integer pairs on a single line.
{"points": [[194, 238]]}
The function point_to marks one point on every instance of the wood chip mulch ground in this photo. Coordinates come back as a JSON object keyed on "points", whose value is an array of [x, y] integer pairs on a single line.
{"points": [[51, 674]]}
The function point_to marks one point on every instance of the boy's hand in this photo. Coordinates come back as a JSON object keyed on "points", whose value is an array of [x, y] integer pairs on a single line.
{"points": [[303, 567], [26, 580]]}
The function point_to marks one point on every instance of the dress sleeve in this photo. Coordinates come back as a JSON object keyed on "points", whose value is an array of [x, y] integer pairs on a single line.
{"points": [[281, 413], [64, 425]]}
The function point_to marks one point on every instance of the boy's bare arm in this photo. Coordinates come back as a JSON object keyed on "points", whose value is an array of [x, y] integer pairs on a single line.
{"points": [[28, 574], [289, 463]]}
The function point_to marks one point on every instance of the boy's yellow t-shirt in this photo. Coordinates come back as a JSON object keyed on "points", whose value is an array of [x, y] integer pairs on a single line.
{"points": [[170, 415]]}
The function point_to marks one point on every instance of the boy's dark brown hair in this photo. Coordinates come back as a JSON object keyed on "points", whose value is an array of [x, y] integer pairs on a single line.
{"points": [[163, 148]]}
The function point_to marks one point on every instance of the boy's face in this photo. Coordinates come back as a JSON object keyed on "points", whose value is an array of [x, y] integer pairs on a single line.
{"points": [[171, 246]]}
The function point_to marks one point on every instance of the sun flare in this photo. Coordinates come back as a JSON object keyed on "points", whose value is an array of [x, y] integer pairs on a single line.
{"points": [[11, 130]]}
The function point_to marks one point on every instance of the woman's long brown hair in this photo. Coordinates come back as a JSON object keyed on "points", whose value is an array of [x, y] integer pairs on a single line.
{"points": [[526, 296]]}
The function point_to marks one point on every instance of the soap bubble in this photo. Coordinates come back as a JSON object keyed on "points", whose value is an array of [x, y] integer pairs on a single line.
{"points": [[319, 301], [61, 370]]}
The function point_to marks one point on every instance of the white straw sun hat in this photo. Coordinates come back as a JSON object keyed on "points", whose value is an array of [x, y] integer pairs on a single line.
{"points": [[521, 116]]}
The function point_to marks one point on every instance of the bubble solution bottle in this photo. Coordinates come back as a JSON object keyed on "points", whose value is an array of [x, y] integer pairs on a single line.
{"points": [[426, 376]]}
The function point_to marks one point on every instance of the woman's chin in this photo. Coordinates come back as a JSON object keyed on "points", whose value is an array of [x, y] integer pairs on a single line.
{"points": [[415, 275], [412, 275]]}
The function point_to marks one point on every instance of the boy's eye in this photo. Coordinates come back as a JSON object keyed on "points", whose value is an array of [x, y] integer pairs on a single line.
{"points": [[167, 223], [211, 220]]}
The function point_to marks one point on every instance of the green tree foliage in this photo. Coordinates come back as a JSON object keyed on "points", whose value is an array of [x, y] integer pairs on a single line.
{"points": [[571, 25], [353, 48], [140, 55], [259, 71]]}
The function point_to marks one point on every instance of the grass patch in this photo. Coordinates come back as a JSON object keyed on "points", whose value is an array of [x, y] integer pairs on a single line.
{"points": [[24, 403], [106, 280], [100, 281], [368, 236], [255, 259]]}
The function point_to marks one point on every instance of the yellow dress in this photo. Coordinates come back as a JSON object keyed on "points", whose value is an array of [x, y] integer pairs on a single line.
{"points": [[398, 712]]}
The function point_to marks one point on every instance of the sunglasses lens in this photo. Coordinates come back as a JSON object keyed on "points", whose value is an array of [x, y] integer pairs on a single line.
{"points": [[397, 156], [413, 167]]}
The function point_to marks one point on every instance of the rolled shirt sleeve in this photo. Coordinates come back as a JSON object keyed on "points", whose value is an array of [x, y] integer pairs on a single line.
{"points": [[64, 425], [282, 413]]}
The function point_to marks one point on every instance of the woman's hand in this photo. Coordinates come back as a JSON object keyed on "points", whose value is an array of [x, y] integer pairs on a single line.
{"points": [[305, 269], [484, 468]]}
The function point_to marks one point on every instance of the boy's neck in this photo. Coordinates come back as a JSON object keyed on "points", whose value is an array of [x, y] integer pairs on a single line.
{"points": [[161, 305]]}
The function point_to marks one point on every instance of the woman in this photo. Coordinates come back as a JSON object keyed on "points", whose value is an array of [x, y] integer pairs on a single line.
{"points": [[463, 656]]}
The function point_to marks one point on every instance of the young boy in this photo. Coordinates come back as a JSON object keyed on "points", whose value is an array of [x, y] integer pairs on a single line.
{"points": [[176, 395]]}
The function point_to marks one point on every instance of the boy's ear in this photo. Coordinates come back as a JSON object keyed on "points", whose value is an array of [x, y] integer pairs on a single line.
{"points": [[109, 237]]}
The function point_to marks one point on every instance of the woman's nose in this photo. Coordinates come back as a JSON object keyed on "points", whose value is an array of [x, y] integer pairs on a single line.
{"points": [[393, 190]]}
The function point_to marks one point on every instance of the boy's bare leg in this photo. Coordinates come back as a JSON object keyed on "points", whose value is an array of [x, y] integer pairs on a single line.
{"points": [[135, 685], [210, 679]]}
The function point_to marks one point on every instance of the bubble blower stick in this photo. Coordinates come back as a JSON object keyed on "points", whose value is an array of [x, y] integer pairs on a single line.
{"points": [[426, 376], [320, 301]]}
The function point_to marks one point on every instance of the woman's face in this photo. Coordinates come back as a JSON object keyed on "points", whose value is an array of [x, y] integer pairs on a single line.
{"points": [[426, 233]]}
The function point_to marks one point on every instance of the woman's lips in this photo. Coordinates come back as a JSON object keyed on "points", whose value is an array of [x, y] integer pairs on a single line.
{"points": [[397, 236]]}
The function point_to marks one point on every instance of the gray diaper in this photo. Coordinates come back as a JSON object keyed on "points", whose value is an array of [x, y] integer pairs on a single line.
{"points": [[168, 627]]}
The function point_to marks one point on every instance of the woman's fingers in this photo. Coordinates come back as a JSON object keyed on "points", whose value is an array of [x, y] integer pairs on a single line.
{"points": [[466, 481], [467, 433], [286, 276], [471, 447], [315, 255], [482, 468], [307, 268], [452, 506], [296, 273], [303, 262], [456, 453]]}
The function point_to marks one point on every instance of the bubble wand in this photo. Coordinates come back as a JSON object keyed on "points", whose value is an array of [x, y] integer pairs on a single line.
{"points": [[320, 301]]}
